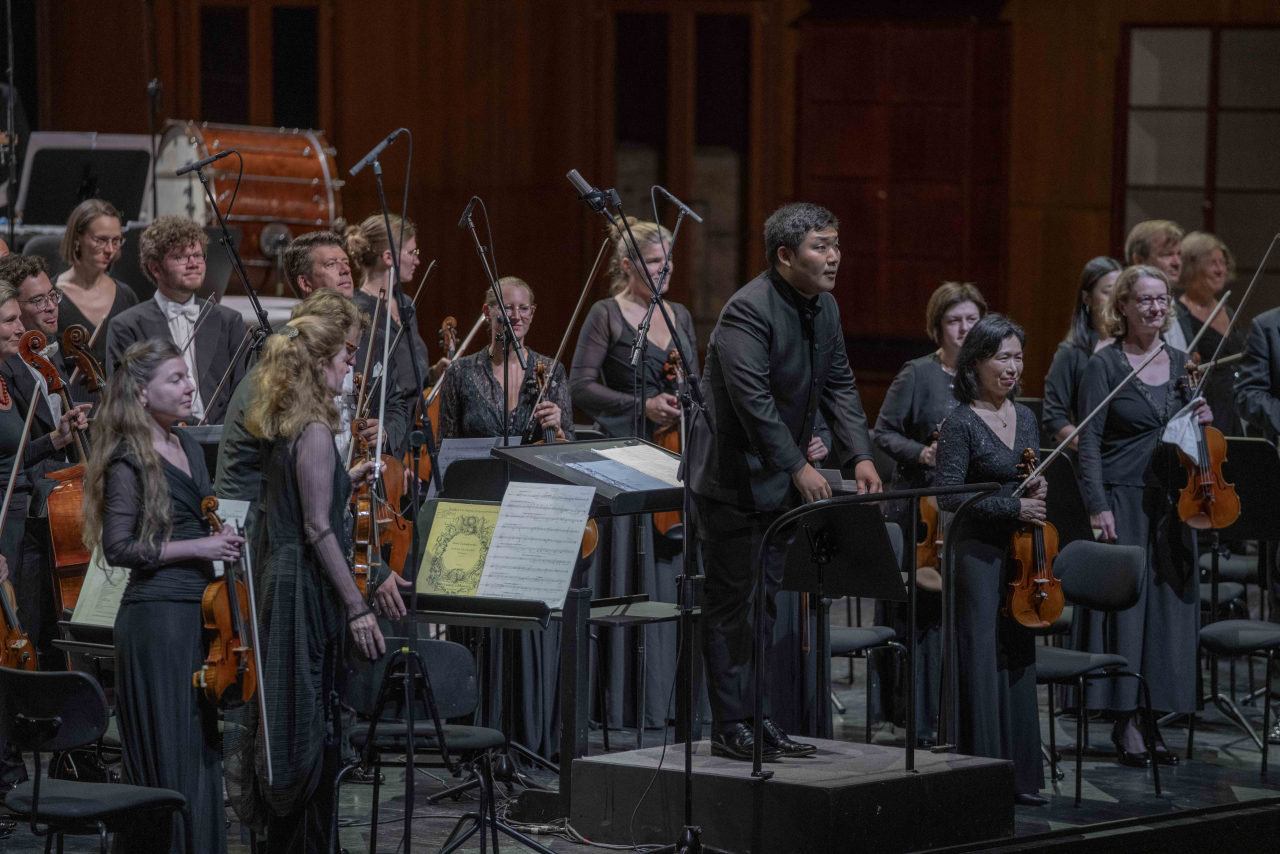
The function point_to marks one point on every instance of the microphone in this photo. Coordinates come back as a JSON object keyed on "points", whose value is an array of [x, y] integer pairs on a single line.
{"points": [[589, 194], [377, 149], [466, 215], [200, 164], [688, 210]]}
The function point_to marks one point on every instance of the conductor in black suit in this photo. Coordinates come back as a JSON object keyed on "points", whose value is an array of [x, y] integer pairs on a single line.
{"points": [[1258, 399], [172, 255], [776, 355]]}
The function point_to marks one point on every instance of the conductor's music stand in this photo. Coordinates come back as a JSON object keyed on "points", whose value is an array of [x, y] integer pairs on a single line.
{"points": [[835, 552]]}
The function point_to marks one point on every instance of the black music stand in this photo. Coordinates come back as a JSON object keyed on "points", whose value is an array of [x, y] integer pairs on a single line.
{"points": [[835, 552]]}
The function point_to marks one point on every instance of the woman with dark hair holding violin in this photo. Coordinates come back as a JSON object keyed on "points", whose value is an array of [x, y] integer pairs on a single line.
{"points": [[1129, 476], [982, 441], [143, 488]]}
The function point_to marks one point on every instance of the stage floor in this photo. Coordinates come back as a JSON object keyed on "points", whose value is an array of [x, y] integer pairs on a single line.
{"points": [[1224, 771]]}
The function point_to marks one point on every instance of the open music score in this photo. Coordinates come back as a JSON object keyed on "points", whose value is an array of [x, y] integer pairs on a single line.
{"points": [[529, 552], [101, 593]]}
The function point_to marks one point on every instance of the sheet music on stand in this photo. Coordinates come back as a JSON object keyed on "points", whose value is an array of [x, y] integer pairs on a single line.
{"points": [[630, 476]]}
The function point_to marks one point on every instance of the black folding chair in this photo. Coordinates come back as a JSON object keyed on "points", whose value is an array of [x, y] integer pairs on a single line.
{"points": [[58, 712]]}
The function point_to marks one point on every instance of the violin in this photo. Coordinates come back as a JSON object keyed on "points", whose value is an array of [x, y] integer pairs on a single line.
{"points": [[1208, 501], [66, 501], [591, 535], [1035, 597], [229, 676], [431, 397], [670, 436], [366, 528]]}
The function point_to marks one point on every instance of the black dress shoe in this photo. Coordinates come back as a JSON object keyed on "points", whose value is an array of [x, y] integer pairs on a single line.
{"points": [[1027, 799], [1131, 760], [737, 741], [1165, 756], [774, 737]]}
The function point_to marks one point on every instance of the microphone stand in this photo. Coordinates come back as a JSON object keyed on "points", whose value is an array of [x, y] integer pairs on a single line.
{"points": [[11, 145], [691, 403]]}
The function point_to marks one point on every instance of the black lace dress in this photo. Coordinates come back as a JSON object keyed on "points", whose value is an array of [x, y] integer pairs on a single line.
{"points": [[168, 731], [302, 622], [996, 657]]}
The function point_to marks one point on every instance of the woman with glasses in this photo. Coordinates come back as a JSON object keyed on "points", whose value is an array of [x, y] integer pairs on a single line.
{"points": [[1129, 479], [369, 248], [91, 244]]}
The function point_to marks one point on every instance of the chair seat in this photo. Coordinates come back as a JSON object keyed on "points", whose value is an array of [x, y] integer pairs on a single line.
{"points": [[68, 800], [390, 735], [1054, 664], [1233, 567], [1228, 591], [1236, 637], [846, 640]]}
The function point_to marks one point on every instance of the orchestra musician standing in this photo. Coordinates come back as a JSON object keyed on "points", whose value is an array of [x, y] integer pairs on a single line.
{"points": [[91, 245], [982, 441], [1158, 243], [1129, 477], [604, 387], [37, 303], [172, 253], [1084, 337], [1207, 268], [918, 400], [776, 355], [144, 484], [309, 601]]}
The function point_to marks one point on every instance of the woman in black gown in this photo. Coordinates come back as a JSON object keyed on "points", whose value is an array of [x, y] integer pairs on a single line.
{"points": [[982, 441], [918, 400], [605, 388], [1062, 383], [309, 599], [143, 488], [471, 396], [1207, 268], [91, 245], [471, 408], [1129, 476]]}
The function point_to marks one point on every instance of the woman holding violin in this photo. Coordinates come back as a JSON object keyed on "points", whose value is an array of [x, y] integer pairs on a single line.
{"points": [[982, 441], [143, 485], [1129, 477], [309, 600], [471, 397], [919, 399]]}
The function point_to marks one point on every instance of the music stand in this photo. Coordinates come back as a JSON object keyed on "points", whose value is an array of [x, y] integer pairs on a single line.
{"points": [[839, 551]]}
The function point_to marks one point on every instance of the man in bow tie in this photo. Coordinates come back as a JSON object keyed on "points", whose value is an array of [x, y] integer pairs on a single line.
{"points": [[172, 254]]}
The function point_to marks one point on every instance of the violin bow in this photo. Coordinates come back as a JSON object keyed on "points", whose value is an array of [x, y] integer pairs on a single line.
{"points": [[1017, 492], [235, 360], [362, 409], [564, 339], [461, 348], [205, 311], [1262, 265]]}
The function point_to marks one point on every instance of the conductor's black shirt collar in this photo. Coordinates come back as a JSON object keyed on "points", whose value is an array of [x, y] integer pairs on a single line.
{"points": [[806, 307]]}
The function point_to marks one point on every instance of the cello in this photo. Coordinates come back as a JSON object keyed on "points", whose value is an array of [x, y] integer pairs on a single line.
{"points": [[671, 436], [1035, 596], [66, 501], [229, 677]]}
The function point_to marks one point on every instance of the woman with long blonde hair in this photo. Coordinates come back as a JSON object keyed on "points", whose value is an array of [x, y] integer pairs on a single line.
{"points": [[143, 487], [309, 599]]}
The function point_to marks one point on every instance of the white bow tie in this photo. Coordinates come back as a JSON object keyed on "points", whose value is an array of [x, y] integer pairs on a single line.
{"points": [[191, 311]]}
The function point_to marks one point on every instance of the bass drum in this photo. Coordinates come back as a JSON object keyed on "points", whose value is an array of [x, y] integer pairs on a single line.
{"points": [[290, 185]]}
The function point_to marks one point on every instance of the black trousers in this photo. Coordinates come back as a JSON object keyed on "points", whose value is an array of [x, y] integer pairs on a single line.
{"points": [[729, 538]]}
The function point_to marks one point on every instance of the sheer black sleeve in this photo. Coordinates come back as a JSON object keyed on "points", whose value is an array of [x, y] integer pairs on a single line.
{"points": [[1095, 386], [315, 459], [121, 514], [587, 376], [891, 431]]}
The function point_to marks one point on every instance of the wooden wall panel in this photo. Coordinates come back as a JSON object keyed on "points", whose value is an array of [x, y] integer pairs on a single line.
{"points": [[1065, 59]]}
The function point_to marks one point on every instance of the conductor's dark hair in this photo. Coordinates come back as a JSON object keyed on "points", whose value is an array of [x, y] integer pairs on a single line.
{"points": [[790, 224], [1082, 334], [983, 342]]}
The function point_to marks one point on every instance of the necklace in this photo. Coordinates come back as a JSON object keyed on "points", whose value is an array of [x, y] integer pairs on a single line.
{"points": [[996, 412]]}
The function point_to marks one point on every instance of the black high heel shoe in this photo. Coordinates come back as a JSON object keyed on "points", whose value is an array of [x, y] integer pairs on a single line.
{"points": [[1132, 760]]}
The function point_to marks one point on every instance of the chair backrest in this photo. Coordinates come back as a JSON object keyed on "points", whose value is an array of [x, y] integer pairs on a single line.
{"points": [[48, 247], [450, 668], [1100, 576], [72, 696], [476, 480], [1253, 466]]}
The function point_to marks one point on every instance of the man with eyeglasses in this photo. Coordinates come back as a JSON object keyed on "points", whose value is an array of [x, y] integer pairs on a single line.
{"points": [[172, 255]]}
